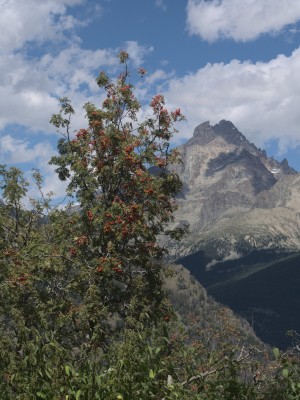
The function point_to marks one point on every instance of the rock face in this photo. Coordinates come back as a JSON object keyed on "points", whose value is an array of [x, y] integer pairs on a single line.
{"points": [[234, 197]]}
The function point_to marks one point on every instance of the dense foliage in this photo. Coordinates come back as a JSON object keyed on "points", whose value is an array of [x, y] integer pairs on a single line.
{"points": [[83, 309]]}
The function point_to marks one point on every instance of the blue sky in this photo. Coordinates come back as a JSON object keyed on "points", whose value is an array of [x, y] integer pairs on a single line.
{"points": [[215, 59]]}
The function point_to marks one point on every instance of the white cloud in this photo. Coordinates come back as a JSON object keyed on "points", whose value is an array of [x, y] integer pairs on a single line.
{"points": [[74, 66], [240, 20], [261, 99], [53, 184], [137, 52], [158, 75], [161, 4], [18, 151], [34, 20], [29, 89], [30, 86], [14, 151]]}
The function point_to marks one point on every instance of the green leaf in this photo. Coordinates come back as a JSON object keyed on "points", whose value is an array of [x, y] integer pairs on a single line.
{"points": [[276, 352], [151, 374], [48, 374], [77, 395], [67, 369], [41, 395], [285, 372], [150, 350]]}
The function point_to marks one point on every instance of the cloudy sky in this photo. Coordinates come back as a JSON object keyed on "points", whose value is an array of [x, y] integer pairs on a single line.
{"points": [[215, 59]]}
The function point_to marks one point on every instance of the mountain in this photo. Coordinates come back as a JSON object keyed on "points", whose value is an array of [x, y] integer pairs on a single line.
{"points": [[243, 213], [234, 198]]}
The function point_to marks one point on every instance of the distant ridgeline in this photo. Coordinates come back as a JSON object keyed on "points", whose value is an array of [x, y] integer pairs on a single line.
{"points": [[243, 213]]}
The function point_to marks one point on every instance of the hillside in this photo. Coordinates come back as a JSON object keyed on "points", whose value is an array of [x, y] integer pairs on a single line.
{"points": [[202, 316]]}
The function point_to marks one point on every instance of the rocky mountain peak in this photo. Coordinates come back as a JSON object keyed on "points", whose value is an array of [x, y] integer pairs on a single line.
{"points": [[230, 133], [206, 133], [224, 175], [203, 134]]}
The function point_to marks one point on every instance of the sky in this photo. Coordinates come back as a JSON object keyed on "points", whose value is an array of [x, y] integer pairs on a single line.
{"points": [[214, 59]]}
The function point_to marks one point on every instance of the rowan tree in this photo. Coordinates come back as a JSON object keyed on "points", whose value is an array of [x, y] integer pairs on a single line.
{"points": [[76, 279], [124, 208]]}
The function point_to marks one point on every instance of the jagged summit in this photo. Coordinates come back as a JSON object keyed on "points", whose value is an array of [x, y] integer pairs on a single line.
{"points": [[203, 134], [230, 133], [206, 133]]}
